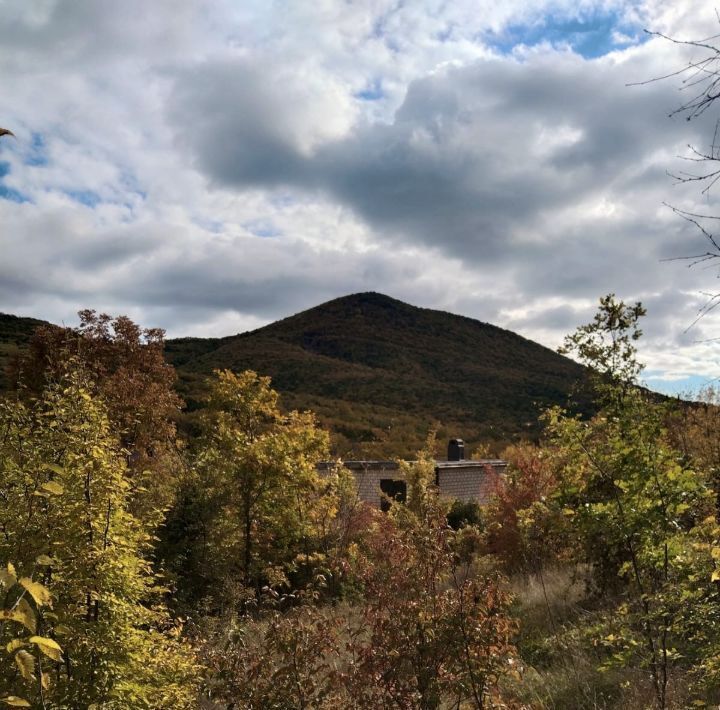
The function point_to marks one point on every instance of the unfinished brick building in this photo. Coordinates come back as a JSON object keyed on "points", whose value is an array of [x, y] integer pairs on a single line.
{"points": [[456, 477]]}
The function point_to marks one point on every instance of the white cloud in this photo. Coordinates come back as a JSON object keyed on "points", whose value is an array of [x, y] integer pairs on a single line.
{"points": [[211, 167]]}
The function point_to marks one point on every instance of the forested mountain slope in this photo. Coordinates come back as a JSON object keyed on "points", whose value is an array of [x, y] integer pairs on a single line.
{"points": [[15, 332], [380, 372]]}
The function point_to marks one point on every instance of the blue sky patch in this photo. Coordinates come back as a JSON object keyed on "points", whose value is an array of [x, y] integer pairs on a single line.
{"points": [[686, 386], [590, 36], [372, 92], [9, 193], [210, 225], [84, 197], [37, 154], [262, 228], [131, 183]]}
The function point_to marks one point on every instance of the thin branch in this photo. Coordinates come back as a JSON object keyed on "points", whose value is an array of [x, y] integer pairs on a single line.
{"points": [[693, 219]]}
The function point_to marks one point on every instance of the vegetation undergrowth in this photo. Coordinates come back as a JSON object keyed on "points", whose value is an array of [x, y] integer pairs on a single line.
{"points": [[226, 571]]}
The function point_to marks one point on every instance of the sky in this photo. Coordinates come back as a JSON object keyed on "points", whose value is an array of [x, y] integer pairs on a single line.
{"points": [[210, 167]]}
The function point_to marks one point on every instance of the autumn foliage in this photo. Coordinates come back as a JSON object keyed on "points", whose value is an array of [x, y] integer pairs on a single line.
{"points": [[422, 629], [229, 571]]}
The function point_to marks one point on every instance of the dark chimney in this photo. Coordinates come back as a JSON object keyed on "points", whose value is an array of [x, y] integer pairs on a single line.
{"points": [[456, 450]]}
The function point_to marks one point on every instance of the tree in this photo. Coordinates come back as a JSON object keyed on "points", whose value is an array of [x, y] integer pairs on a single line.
{"points": [[264, 500], [641, 513], [606, 345], [125, 367], [425, 629], [693, 429], [26, 600], [65, 515], [433, 630], [522, 528], [701, 76]]}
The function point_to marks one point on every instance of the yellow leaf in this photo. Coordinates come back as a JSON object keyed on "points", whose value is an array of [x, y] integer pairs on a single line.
{"points": [[45, 680], [715, 576], [48, 647], [28, 614], [8, 577], [55, 468], [26, 663], [53, 487], [16, 702], [45, 560], [36, 590], [14, 645], [19, 615]]}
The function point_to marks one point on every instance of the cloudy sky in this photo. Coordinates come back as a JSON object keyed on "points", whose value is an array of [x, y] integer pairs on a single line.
{"points": [[211, 166]]}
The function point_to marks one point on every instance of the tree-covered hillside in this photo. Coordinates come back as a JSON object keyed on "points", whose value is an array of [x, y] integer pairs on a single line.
{"points": [[15, 333], [379, 372]]}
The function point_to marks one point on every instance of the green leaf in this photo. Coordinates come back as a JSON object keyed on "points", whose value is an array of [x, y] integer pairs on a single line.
{"points": [[20, 616], [48, 646], [23, 606]]}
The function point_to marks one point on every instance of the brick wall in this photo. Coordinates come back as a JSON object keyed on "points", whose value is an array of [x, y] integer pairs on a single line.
{"points": [[368, 480], [368, 475], [471, 480], [463, 480]]}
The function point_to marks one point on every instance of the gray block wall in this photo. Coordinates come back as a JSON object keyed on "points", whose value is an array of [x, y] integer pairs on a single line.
{"points": [[461, 480]]}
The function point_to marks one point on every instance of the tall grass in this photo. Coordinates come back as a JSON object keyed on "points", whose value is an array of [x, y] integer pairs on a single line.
{"points": [[560, 664]]}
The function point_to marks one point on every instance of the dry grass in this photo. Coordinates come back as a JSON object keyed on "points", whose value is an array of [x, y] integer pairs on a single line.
{"points": [[559, 666]]}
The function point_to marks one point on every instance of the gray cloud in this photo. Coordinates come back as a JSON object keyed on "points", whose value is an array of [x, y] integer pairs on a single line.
{"points": [[477, 163], [243, 176], [252, 144]]}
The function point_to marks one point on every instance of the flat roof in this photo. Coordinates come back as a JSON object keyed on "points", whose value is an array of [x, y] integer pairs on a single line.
{"points": [[469, 463], [394, 465]]}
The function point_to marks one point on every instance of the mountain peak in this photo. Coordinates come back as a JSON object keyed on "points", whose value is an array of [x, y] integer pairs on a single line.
{"points": [[365, 299], [374, 367]]}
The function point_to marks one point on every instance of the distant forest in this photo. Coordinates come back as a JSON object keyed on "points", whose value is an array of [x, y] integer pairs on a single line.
{"points": [[380, 374]]}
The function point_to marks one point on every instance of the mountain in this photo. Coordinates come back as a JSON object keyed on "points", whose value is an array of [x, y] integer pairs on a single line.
{"points": [[379, 373], [15, 333]]}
